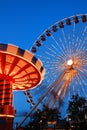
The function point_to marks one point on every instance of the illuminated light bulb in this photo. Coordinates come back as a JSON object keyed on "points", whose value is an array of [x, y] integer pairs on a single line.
{"points": [[70, 62]]}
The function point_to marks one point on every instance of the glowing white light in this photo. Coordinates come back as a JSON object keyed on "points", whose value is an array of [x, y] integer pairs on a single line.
{"points": [[70, 62]]}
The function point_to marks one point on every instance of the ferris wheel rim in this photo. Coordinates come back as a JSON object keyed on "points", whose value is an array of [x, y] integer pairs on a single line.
{"points": [[43, 32]]}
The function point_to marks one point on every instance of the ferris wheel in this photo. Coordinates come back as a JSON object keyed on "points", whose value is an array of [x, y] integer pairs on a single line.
{"points": [[62, 48]]}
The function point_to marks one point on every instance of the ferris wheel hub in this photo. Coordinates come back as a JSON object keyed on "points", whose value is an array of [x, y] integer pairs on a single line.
{"points": [[70, 62]]}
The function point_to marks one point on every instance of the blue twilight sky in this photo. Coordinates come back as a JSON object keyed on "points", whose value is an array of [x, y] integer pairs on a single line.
{"points": [[22, 21]]}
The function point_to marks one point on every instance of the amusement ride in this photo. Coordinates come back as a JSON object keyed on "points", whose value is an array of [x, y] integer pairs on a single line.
{"points": [[62, 50], [19, 70]]}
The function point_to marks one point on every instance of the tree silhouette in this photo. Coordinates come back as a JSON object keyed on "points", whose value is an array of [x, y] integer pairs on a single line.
{"points": [[76, 109], [40, 118]]}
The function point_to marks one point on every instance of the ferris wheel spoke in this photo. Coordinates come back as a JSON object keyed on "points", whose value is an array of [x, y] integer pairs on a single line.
{"points": [[50, 53], [82, 84], [46, 54], [69, 39], [77, 84], [83, 77], [59, 56], [76, 37], [52, 62], [61, 52], [51, 50], [85, 71], [57, 48], [72, 38], [65, 40], [44, 57], [52, 69], [81, 40], [82, 72], [54, 54]]}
